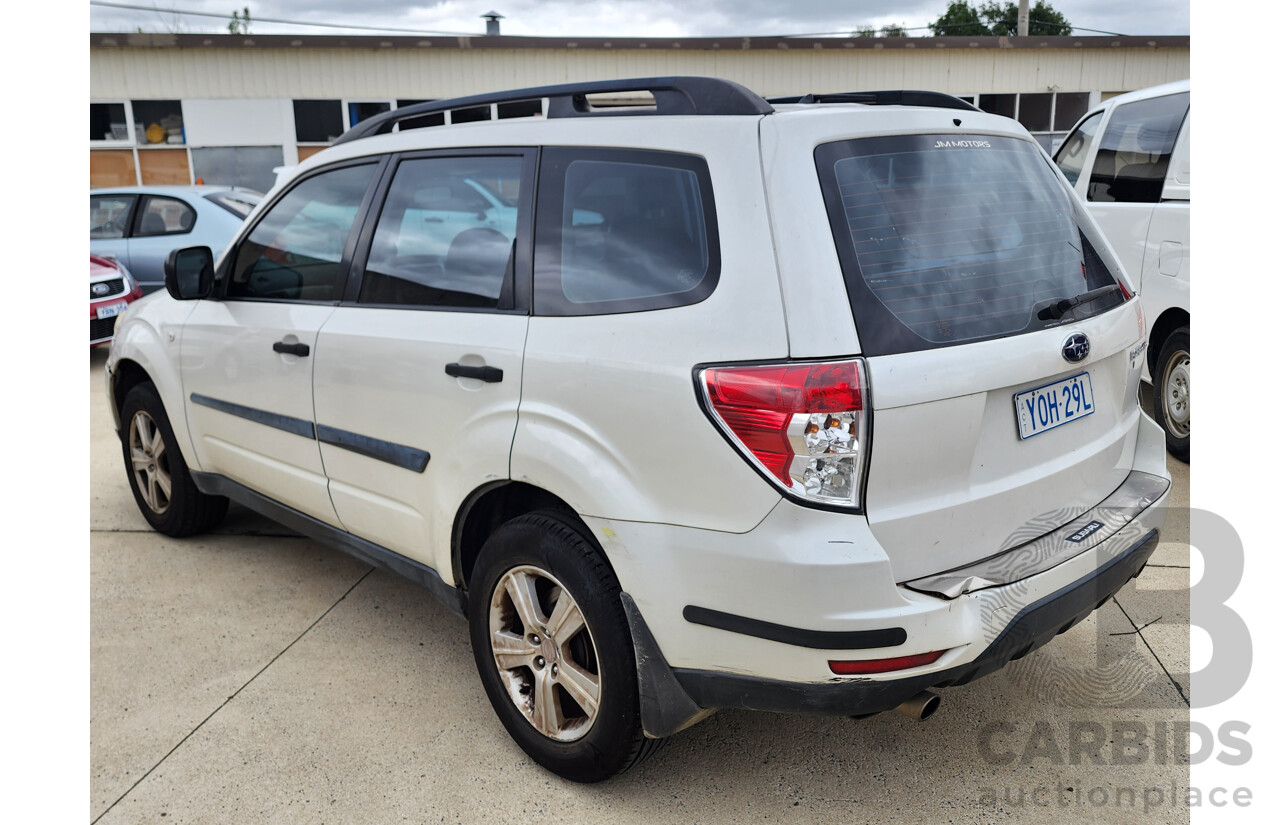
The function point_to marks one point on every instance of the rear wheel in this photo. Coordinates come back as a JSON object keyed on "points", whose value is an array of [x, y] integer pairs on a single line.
{"points": [[158, 476], [553, 648], [1173, 392]]}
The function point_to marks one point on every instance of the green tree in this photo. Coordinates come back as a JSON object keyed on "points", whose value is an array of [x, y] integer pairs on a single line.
{"points": [[238, 24], [866, 31], [959, 20], [893, 30], [1002, 18], [995, 18]]}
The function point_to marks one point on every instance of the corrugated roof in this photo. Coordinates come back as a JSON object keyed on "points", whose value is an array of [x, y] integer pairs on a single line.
{"points": [[504, 42]]}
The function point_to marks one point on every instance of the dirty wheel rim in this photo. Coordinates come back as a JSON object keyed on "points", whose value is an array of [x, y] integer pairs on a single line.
{"points": [[1177, 394], [150, 462], [545, 653]]}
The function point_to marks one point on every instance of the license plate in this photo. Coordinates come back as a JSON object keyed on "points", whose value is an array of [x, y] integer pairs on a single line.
{"points": [[112, 310], [1053, 405]]}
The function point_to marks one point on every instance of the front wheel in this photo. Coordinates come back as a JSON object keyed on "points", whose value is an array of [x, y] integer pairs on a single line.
{"points": [[553, 648], [1173, 392], [158, 475]]}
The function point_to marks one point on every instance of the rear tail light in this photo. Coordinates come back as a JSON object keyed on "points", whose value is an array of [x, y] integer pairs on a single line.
{"points": [[804, 426]]}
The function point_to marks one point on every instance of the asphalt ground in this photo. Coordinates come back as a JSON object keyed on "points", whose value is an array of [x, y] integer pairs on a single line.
{"points": [[251, 675]]}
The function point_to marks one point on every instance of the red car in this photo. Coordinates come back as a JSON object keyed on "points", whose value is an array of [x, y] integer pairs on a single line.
{"points": [[111, 290]]}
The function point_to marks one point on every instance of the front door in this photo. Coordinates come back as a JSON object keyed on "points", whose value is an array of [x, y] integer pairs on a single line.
{"points": [[247, 357]]}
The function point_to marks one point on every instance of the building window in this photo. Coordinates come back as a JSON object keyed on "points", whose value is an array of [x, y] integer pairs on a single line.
{"points": [[158, 122], [107, 122], [434, 119], [359, 111], [317, 121]]}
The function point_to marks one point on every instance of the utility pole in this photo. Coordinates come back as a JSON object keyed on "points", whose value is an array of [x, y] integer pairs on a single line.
{"points": [[1024, 17]]}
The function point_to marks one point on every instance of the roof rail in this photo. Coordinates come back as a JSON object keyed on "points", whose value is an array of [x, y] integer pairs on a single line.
{"points": [[671, 96], [890, 97]]}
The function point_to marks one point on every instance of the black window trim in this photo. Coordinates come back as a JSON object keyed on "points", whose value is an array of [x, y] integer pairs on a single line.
{"points": [[135, 222], [523, 268], [223, 275], [134, 199], [548, 294]]}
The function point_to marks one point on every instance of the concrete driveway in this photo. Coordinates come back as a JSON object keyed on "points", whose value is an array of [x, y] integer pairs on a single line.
{"points": [[251, 675]]}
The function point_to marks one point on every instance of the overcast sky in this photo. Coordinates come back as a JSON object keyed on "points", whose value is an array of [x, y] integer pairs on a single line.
{"points": [[618, 18]]}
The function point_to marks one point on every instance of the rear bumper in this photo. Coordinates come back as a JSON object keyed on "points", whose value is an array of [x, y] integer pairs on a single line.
{"points": [[1033, 626]]}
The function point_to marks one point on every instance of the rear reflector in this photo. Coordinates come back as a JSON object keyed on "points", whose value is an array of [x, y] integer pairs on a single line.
{"points": [[865, 666], [804, 425]]}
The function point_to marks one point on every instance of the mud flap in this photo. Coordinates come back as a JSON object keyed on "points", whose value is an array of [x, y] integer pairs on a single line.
{"points": [[665, 708]]}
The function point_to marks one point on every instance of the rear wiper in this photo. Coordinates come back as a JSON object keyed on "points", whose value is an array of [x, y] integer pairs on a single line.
{"points": [[1055, 308]]}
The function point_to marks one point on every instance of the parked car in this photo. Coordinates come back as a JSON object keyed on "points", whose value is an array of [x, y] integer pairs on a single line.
{"points": [[807, 406], [111, 290], [140, 225], [1130, 159]]}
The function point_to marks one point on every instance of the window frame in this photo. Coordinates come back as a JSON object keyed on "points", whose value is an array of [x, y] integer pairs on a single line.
{"points": [[140, 209], [222, 276], [1098, 147], [549, 298], [523, 266]]}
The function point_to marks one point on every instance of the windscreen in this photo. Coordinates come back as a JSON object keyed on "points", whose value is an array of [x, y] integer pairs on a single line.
{"points": [[947, 239]]}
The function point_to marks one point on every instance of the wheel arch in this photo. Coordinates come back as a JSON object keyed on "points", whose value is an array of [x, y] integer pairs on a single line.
{"points": [[1169, 321], [488, 507]]}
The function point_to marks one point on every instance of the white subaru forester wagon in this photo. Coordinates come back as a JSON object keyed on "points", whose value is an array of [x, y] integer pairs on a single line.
{"points": [[808, 405]]}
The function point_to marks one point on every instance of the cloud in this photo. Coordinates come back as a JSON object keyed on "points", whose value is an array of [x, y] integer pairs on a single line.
{"points": [[605, 18]]}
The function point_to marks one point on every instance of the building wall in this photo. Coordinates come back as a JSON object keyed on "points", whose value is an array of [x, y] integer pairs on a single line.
{"points": [[327, 73], [236, 94]]}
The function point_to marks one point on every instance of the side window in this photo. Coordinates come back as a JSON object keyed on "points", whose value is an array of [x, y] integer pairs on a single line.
{"points": [[1133, 154], [446, 235], [623, 231], [164, 216], [109, 215], [1071, 155], [296, 251]]}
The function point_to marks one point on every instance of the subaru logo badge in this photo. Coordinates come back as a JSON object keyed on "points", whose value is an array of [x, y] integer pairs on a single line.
{"points": [[99, 289], [1076, 348]]}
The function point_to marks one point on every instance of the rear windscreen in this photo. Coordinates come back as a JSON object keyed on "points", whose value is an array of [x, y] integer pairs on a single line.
{"points": [[945, 239]]}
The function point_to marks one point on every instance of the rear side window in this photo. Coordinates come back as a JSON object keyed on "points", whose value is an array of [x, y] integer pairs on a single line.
{"points": [[164, 216], [446, 236], [946, 239], [623, 231], [1133, 155], [1073, 151], [296, 252]]}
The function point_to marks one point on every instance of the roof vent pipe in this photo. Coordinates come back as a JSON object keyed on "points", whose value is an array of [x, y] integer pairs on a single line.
{"points": [[491, 25]]}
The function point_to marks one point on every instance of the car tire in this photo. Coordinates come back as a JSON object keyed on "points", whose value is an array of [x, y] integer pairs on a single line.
{"points": [[162, 486], [568, 640], [1173, 392]]}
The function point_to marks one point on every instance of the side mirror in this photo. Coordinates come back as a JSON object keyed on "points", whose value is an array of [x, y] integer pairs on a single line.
{"points": [[188, 273]]}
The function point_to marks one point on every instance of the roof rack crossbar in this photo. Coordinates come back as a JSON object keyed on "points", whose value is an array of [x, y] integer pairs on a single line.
{"points": [[887, 97], [671, 95]]}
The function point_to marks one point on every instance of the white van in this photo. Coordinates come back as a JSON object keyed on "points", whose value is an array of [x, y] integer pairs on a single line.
{"points": [[1136, 181]]}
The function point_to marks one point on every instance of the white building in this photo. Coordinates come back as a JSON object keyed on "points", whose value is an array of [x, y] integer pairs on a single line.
{"points": [[228, 108]]}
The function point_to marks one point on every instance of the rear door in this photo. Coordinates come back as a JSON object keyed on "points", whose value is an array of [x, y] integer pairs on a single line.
{"points": [[247, 358], [418, 373], [994, 421]]}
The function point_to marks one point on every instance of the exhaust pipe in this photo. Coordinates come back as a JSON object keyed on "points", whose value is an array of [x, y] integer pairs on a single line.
{"points": [[921, 706]]}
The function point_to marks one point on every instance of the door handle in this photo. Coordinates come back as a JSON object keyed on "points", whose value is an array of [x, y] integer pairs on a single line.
{"points": [[491, 375], [301, 350]]}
